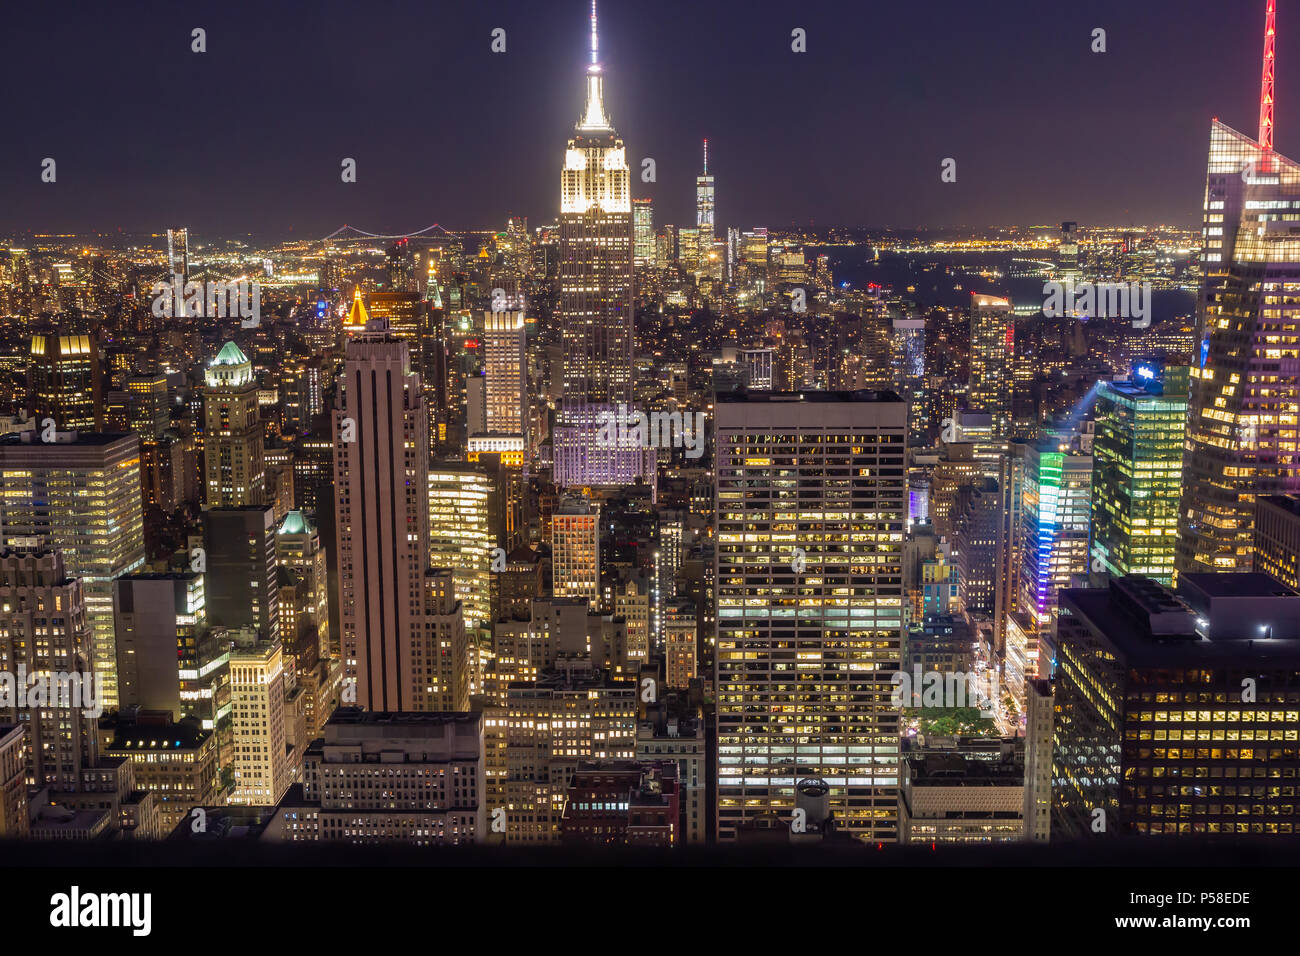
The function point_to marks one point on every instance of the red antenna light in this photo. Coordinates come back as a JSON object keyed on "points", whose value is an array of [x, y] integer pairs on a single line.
{"points": [[1266, 84]]}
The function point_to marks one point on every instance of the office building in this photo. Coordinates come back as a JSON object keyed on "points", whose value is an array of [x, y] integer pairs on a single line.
{"points": [[1039, 725], [545, 731], [595, 298], [78, 495], [463, 515], [45, 652], [951, 795], [234, 466], [673, 733], [378, 777], [1277, 538], [381, 505], [704, 201], [298, 548], [643, 234], [809, 604], [1174, 711], [1055, 513], [978, 543], [506, 373], [158, 620], [14, 823], [1243, 435], [443, 662], [622, 803], [176, 762], [241, 585], [992, 357], [257, 693], [1137, 472], [178, 255], [64, 381], [575, 551]]}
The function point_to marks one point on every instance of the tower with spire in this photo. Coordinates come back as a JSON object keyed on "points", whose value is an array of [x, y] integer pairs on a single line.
{"points": [[1243, 432], [704, 199], [595, 302]]}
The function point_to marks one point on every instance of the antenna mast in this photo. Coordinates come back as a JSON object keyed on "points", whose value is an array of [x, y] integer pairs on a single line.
{"points": [[1266, 84]]}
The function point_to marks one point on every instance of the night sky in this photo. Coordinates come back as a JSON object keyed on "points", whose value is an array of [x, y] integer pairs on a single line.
{"points": [[248, 137]]}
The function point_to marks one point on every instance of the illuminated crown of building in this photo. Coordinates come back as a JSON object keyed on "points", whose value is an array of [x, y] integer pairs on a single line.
{"points": [[231, 368], [595, 175], [357, 316]]}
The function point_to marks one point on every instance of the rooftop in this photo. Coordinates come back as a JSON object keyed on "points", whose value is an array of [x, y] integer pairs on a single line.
{"points": [[807, 397], [1289, 503], [1240, 585], [394, 718], [1150, 626]]}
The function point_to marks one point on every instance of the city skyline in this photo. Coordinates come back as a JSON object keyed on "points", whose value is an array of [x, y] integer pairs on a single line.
{"points": [[636, 522], [1078, 158]]}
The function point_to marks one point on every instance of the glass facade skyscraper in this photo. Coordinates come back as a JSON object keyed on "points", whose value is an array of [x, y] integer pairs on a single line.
{"points": [[1137, 472], [1054, 518], [1243, 424], [992, 354]]}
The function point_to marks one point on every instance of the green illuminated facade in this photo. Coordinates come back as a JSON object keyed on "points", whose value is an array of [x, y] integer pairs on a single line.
{"points": [[1138, 472]]}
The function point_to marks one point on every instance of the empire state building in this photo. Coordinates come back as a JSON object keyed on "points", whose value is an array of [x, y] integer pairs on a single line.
{"points": [[595, 305]]}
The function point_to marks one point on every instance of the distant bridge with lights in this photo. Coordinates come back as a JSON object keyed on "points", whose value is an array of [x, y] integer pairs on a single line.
{"points": [[346, 232]]}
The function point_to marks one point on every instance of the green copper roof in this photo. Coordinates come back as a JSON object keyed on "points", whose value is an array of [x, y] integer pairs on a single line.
{"points": [[295, 522], [230, 355]]}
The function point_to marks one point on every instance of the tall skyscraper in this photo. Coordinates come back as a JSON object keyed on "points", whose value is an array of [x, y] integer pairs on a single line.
{"points": [[381, 465], [44, 630], [1067, 251], [408, 317], [1137, 471], [505, 344], [159, 619], [810, 604], [79, 495], [1243, 434], [257, 677], [1055, 510], [234, 461], [463, 505], [401, 267], [704, 202], [595, 301], [178, 254], [907, 356], [992, 354], [575, 551], [978, 542], [149, 411], [298, 548], [643, 233], [241, 588], [64, 381]]}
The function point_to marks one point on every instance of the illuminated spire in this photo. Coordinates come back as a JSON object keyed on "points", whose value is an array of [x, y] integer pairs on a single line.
{"points": [[706, 150], [1266, 84], [358, 316], [593, 117]]}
